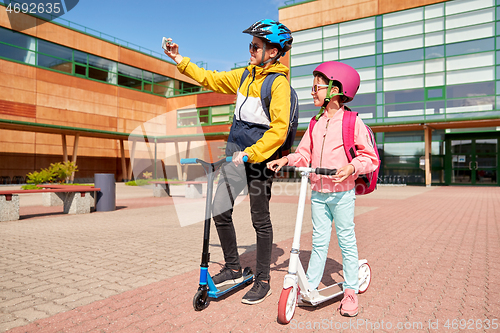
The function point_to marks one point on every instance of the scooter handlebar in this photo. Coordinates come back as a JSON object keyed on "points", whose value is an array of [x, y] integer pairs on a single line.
{"points": [[318, 171], [185, 161]]}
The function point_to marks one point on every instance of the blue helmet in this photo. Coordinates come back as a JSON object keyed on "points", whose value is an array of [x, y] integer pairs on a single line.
{"points": [[273, 32]]}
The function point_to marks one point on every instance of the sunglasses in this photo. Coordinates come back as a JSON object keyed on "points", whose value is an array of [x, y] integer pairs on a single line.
{"points": [[254, 47], [317, 87]]}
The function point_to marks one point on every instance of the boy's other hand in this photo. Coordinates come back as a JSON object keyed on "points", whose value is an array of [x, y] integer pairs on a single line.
{"points": [[276, 165], [172, 52]]}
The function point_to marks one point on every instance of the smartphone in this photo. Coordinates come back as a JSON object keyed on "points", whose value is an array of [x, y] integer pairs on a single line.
{"points": [[165, 43]]}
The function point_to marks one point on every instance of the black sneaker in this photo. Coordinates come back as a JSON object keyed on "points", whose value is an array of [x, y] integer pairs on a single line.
{"points": [[258, 293], [227, 276]]}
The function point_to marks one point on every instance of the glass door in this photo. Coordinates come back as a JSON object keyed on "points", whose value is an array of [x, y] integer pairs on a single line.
{"points": [[474, 161]]}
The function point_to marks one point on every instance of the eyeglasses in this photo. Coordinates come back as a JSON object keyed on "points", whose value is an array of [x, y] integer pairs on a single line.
{"points": [[317, 87], [254, 47]]}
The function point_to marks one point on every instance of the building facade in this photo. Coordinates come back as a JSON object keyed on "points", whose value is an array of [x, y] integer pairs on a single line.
{"points": [[429, 84], [70, 95]]}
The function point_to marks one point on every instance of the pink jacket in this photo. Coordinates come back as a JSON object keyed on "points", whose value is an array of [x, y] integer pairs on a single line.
{"points": [[328, 152]]}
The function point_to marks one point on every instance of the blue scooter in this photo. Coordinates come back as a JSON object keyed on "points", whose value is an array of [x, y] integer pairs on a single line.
{"points": [[207, 287]]}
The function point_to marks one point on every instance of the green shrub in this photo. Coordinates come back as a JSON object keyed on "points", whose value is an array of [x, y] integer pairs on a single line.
{"points": [[39, 177]]}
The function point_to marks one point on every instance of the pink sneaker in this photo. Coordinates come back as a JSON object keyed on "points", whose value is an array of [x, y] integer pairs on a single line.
{"points": [[349, 305]]}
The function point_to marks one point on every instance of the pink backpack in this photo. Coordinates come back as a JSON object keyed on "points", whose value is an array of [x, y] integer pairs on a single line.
{"points": [[366, 183]]}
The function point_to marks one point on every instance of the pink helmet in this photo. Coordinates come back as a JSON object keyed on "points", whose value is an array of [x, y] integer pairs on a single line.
{"points": [[345, 74]]}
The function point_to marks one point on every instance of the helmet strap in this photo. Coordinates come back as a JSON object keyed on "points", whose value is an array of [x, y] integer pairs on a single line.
{"points": [[262, 62], [327, 99]]}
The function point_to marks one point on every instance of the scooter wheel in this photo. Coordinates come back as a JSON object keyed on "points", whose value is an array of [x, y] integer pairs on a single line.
{"points": [[287, 304], [200, 300], [365, 277]]}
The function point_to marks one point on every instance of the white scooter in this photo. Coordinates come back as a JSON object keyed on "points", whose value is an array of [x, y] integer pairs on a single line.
{"points": [[296, 290]]}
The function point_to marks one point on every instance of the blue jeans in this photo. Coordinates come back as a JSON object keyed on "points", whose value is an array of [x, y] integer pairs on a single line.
{"points": [[339, 207]]}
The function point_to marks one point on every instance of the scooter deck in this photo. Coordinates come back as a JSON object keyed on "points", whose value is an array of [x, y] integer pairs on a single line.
{"points": [[228, 287], [319, 296]]}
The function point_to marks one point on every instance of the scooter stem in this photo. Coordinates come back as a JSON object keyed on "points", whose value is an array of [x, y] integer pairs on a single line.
{"points": [[294, 257]]}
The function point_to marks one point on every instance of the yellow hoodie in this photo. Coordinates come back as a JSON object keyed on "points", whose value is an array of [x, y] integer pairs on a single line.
{"points": [[248, 103]]}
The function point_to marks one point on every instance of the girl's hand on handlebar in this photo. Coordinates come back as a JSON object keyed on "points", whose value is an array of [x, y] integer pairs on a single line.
{"points": [[276, 165], [343, 173]]}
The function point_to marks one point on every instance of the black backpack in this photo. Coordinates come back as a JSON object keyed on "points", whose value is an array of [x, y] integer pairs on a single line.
{"points": [[265, 96]]}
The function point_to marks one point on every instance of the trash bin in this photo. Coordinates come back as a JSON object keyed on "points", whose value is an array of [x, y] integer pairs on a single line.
{"points": [[106, 197]]}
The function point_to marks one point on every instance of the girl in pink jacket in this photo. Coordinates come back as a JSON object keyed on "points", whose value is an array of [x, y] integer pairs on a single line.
{"points": [[333, 197]]}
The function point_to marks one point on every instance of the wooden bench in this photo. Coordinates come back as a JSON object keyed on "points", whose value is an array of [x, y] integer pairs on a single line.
{"points": [[193, 189], [72, 202]]}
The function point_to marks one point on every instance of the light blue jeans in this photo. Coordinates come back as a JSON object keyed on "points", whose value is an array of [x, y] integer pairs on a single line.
{"points": [[339, 207]]}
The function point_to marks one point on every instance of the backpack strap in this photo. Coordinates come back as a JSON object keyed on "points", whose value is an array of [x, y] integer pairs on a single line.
{"points": [[312, 123], [265, 92], [244, 76], [348, 127]]}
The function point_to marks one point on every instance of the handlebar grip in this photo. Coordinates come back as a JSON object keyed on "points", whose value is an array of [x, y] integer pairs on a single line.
{"points": [[189, 160], [230, 159], [288, 168], [326, 172]]}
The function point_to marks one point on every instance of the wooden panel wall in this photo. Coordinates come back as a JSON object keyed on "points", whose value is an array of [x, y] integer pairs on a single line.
{"points": [[324, 12]]}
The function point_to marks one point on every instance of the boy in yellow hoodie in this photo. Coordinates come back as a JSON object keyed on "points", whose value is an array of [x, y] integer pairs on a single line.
{"points": [[255, 135]]}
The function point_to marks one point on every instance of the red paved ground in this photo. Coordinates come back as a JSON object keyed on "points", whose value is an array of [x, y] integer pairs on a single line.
{"points": [[434, 258]]}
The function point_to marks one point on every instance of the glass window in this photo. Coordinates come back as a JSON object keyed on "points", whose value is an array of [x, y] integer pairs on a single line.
{"points": [[307, 35], [435, 93], [436, 65], [102, 63], [203, 115], [454, 7], [434, 11], [470, 18], [475, 46], [411, 68], [357, 25], [329, 43], [434, 52], [303, 93], [403, 110], [130, 71], [54, 63], [303, 70], [404, 96], [404, 30], [332, 54], [408, 82], [367, 74], [307, 107], [470, 75], [472, 32], [403, 56], [306, 58], [360, 62], [15, 53], [221, 113], [80, 57], [328, 31], [469, 90], [432, 80], [366, 112], [302, 82], [148, 76], [356, 51], [434, 107], [55, 50], [187, 117], [405, 43], [97, 74], [470, 104], [18, 39], [435, 38], [363, 99], [402, 17], [367, 87], [306, 47], [434, 25], [357, 38], [470, 61]]}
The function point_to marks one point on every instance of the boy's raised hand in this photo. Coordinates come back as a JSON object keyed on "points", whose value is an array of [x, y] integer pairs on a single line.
{"points": [[276, 165], [172, 51]]}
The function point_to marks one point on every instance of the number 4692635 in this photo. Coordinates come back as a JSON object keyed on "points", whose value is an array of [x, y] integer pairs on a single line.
{"points": [[34, 8]]}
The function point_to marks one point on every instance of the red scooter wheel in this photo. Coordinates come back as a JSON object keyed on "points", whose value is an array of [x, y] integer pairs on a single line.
{"points": [[287, 304]]}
